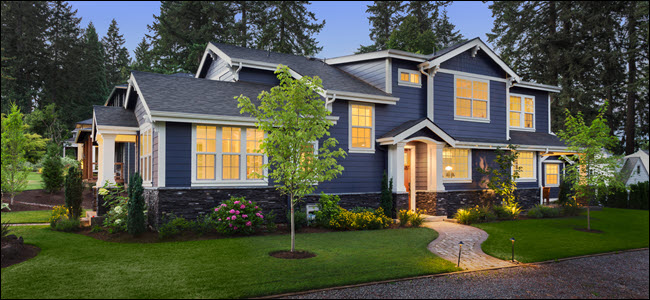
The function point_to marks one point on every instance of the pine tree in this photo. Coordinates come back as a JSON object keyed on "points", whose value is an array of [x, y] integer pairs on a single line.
{"points": [[116, 56], [52, 174], [93, 72], [446, 35], [73, 192], [253, 15], [290, 28], [135, 218], [384, 18], [408, 37], [143, 60]]}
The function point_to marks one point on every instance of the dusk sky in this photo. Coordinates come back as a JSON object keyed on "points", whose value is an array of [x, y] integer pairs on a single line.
{"points": [[346, 23]]}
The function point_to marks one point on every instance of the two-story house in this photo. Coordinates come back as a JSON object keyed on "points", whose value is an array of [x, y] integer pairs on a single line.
{"points": [[429, 121]]}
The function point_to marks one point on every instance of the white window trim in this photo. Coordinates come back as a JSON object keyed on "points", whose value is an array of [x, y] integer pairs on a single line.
{"points": [[471, 119], [144, 128], [469, 169], [264, 160], [559, 176], [219, 181], [527, 179], [401, 82], [372, 131], [522, 113]]}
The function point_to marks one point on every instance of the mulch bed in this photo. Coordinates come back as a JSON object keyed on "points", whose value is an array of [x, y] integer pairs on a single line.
{"points": [[14, 251], [587, 230], [286, 254], [46, 200]]}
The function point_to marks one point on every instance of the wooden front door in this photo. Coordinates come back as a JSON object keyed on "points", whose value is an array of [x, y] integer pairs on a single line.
{"points": [[407, 173]]}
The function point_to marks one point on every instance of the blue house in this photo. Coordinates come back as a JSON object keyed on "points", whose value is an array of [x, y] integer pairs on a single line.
{"points": [[429, 121]]}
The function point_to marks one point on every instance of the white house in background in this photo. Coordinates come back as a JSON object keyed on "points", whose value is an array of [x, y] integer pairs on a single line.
{"points": [[635, 167]]}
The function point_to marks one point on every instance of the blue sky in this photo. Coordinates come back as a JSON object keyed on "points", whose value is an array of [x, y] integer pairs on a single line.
{"points": [[345, 29]]}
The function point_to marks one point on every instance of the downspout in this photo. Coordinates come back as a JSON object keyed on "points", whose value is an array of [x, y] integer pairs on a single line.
{"points": [[328, 102], [236, 75], [509, 83]]}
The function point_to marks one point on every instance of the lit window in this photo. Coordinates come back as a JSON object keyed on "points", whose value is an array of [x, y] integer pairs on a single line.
{"points": [[552, 174], [471, 99], [254, 158], [231, 147], [361, 126], [409, 78], [145, 154], [206, 148], [526, 164], [455, 163], [522, 114]]}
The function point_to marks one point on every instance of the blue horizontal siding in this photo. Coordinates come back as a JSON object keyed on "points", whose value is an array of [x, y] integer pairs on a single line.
{"points": [[480, 64], [258, 76], [541, 106], [178, 154]]}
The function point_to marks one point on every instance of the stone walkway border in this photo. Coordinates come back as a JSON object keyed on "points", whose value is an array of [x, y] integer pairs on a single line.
{"points": [[444, 274]]}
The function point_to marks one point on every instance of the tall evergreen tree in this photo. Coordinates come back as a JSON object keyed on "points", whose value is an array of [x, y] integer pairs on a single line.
{"points": [[181, 32], [23, 41], [143, 60], [93, 72], [446, 33], [290, 28], [384, 18], [408, 37], [116, 56], [253, 15]]}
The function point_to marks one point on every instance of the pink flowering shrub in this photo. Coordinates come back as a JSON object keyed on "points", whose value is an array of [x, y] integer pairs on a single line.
{"points": [[237, 216]]}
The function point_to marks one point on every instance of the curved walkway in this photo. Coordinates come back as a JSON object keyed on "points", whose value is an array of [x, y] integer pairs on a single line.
{"points": [[472, 257]]}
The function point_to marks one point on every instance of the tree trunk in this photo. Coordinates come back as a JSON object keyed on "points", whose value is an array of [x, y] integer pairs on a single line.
{"points": [[293, 227], [630, 122], [588, 217]]}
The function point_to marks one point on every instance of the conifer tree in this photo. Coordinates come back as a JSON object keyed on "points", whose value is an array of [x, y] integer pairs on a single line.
{"points": [[52, 174], [384, 18], [93, 74], [253, 15], [74, 192], [446, 33], [290, 28], [135, 219], [116, 56], [143, 60]]}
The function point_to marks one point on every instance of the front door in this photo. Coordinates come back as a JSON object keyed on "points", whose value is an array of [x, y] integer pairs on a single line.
{"points": [[407, 173]]}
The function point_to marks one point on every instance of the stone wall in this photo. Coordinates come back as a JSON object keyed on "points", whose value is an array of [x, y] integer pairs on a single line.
{"points": [[447, 203]]}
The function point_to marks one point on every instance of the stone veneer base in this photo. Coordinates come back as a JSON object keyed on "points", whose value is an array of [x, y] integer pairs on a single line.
{"points": [[448, 202]]}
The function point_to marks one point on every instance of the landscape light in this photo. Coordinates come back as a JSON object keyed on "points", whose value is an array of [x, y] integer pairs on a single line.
{"points": [[460, 249], [513, 249]]}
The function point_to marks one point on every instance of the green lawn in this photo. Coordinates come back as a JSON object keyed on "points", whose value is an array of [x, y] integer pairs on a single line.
{"points": [[34, 181], [547, 239], [76, 266], [35, 216]]}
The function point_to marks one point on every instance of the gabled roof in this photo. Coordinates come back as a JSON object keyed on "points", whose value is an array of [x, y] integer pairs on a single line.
{"points": [[334, 79], [406, 129], [628, 168], [114, 116]]}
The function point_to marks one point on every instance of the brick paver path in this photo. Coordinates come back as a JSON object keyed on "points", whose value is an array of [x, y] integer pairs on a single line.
{"points": [[472, 257]]}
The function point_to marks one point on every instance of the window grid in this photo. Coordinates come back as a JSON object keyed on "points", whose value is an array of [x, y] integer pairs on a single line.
{"points": [[145, 154], [471, 98], [254, 158], [206, 148], [409, 77], [231, 148], [361, 119], [552, 174], [522, 112], [456, 163], [526, 163]]}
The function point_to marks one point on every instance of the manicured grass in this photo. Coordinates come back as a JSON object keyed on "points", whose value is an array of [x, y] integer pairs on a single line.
{"points": [[547, 239], [34, 181], [76, 266], [19, 217]]}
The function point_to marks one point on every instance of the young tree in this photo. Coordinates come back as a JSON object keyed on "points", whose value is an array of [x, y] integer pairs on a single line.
{"points": [[14, 170], [295, 117], [116, 57], [135, 224], [73, 192], [591, 168], [503, 177], [52, 169]]}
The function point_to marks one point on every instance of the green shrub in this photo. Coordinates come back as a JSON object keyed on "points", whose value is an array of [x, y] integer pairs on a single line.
{"points": [[617, 197], [504, 212], [136, 206], [73, 192], [467, 216], [360, 209], [117, 208], [173, 226], [541, 211], [366, 220], [386, 200], [570, 208], [328, 208], [68, 225], [299, 218], [404, 217], [52, 174], [239, 216], [566, 191], [58, 213], [269, 222], [639, 195], [416, 218]]}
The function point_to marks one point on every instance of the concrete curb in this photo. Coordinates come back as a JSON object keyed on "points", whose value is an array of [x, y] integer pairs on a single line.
{"points": [[447, 274]]}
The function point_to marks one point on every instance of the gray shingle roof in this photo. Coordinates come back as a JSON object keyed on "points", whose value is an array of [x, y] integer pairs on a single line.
{"points": [[114, 116], [450, 48], [628, 167], [194, 95], [333, 78], [86, 122], [522, 138]]}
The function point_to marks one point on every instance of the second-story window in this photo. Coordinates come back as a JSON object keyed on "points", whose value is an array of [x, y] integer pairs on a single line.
{"points": [[361, 127], [409, 78], [472, 99], [522, 112]]}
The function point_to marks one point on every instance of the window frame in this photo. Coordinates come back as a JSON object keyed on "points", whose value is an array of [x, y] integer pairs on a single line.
{"points": [[214, 154], [467, 179], [219, 181], [557, 165], [522, 113], [401, 82], [455, 99], [147, 177], [527, 179], [254, 154], [372, 129]]}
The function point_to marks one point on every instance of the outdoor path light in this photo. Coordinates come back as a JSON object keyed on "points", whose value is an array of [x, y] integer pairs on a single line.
{"points": [[513, 249], [460, 249]]}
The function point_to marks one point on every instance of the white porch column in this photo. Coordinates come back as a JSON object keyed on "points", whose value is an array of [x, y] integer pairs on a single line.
{"points": [[435, 153], [396, 167], [106, 159]]}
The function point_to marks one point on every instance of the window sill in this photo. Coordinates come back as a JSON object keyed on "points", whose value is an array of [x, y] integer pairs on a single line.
{"points": [[456, 181], [366, 151], [526, 180], [468, 119], [522, 129], [552, 185], [224, 183], [408, 84]]}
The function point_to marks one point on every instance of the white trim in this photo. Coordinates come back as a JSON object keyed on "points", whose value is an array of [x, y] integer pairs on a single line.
{"points": [[528, 179], [470, 45], [424, 123], [522, 112], [372, 130], [133, 82], [467, 179], [162, 150], [461, 73], [390, 53], [389, 75], [539, 86], [411, 176], [549, 114], [401, 82], [430, 105], [470, 118], [363, 97], [210, 119], [546, 174], [508, 86]]}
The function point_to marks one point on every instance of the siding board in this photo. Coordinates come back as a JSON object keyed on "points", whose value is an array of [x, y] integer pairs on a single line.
{"points": [[178, 154]]}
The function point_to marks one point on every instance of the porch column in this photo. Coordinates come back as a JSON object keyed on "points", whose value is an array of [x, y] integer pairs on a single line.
{"points": [[106, 159], [435, 153], [396, 167]]}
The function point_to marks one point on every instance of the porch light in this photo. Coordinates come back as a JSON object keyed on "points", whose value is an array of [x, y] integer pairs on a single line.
{"points": [[460, 250], [513, 249]]}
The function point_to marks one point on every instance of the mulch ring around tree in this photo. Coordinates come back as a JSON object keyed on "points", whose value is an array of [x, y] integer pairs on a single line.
{"points": [[15, 251], [42, 200], [298, 254], [588, 230]]}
